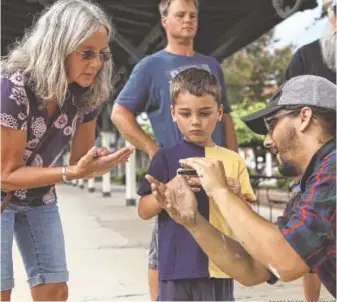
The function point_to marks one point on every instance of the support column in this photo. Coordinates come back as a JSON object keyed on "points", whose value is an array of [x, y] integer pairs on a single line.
{"points": [[131, 179], [80, 183], [120, 171], [269, 164], [106, 178], [91, 185]]}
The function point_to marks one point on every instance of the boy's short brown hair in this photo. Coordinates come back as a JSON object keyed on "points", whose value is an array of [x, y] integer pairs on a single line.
{"points": [[196, 81], [164, 5]]}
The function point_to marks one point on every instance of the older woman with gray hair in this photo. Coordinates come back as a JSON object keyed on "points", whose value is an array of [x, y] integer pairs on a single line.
{"points": [[53, 84]]}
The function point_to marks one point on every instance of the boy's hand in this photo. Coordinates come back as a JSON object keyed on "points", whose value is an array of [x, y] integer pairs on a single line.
{"points": [[194, 183], [179, 201], [234, 185], [211, 173]]}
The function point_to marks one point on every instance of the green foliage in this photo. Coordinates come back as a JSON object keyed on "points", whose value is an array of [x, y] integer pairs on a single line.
{"points": [[140, 173], [121, 179], [252, 75], [255, 72], [148, 130], [283, 184], [243, 133], [145, 124]]}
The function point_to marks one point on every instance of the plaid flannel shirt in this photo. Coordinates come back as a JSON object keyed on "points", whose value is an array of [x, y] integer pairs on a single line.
{"points": [[309, 220]]}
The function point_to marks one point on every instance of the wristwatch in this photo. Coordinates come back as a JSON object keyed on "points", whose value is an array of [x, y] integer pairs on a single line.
{"points": [[64, 174], [273, 279]]}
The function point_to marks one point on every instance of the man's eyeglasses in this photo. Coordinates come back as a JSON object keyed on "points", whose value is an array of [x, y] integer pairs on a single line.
{"points": [[269, 119], [91, 55]]}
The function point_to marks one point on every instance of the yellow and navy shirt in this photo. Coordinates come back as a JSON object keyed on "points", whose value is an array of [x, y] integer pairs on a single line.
{"points": [[179, 255]]}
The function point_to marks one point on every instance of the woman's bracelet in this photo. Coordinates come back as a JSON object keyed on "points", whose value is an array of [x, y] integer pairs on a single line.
{"points": [[64, 174]]}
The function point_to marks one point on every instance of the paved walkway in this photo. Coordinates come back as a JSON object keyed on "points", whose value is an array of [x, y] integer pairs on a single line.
{"points": [[107, 252]]}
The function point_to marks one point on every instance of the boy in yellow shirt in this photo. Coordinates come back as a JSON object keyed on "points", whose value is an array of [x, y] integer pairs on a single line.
{"points": [[185, 272]]}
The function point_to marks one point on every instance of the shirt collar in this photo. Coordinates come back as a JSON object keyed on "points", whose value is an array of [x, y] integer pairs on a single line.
{"points": [[316, 160]]}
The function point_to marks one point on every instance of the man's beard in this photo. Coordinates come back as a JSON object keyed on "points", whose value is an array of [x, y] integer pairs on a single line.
{"points": [[328, 47], [287, 168], [289, 145]]}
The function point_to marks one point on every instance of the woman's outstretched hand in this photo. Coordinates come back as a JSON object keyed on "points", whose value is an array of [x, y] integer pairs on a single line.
{"points": [[99, 161]]}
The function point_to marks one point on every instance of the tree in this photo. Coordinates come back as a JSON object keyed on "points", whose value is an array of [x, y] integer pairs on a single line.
{"points": [[255, 72], [244, 135]]}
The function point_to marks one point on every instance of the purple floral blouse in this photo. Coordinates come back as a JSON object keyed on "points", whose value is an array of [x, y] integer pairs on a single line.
{"points": [[21, 110]]}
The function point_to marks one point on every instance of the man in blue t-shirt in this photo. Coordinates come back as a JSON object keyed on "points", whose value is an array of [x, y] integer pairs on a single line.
{"points": [[147, 89]]}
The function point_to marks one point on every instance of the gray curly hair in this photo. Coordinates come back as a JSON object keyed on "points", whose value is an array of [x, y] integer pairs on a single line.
{"points": [[42, 52]]}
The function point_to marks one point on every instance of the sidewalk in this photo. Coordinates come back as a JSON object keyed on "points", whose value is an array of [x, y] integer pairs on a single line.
{"points": [[107, 253]]}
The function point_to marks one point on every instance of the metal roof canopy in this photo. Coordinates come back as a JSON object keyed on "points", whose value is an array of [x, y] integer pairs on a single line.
{"points": [[225, 26]]}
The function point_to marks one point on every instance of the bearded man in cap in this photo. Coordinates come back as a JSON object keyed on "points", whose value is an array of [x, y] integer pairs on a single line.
{"points": [[300, 127], [316, 58]]}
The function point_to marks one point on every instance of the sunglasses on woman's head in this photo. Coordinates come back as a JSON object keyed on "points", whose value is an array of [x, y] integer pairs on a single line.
{"points": [[91, 55]]}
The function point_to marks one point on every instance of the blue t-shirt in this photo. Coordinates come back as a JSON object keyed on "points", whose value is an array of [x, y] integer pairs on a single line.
{"points": [[147, 90]]}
